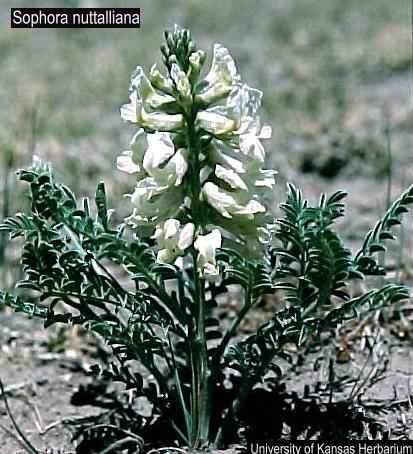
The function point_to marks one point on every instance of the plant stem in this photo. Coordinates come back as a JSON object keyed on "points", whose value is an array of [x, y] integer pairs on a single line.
{"points": [[198, 347], [200, 373]]}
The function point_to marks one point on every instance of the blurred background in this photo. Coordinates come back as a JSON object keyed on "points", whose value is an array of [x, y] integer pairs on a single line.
{"points": [[335, 76]]}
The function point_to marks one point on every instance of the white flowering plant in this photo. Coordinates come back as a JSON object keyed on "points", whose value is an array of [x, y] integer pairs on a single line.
{"points": [[198, 223]]}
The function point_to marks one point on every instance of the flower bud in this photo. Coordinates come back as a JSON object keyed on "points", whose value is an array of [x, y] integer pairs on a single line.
{"points": [[159, 81], [196, 61], [182, 84]]}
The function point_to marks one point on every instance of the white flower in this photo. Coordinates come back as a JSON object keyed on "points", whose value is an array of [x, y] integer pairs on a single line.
{"points": [[248, 102], [230, 177], [247, 165], [154, 203], [147, 106], [235, 190], [230, 204], [160, 169], [128, 112], [206, 245], [125, 163], [220, 153], [250, 144], [173, 239], [151, 98], [159, 121], [160, 160], [145, 190], [236, 117], [130, 161], [214, 122], [162, 163], [160, 149], [237, 182], [221, 77]]}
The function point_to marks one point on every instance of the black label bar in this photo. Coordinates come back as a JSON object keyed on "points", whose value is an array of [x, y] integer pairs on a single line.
{"points": [[332, 447], [75, 17]]}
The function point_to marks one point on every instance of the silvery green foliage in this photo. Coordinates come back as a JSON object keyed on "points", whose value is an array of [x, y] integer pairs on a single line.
{"points": [[198, 225]]}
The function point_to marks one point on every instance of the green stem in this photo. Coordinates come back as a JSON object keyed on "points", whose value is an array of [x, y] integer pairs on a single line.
{"points": [[194, 162], [200, 373], [197, 343]]}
